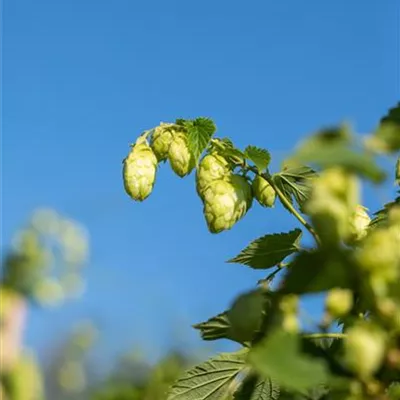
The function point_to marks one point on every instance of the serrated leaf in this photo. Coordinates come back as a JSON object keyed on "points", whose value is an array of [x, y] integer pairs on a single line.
{"points": [[215, 328], [257, 388], [319, 271], [280, 358], [295, 183], [260, 157], [200, 132], [387, 136], [210, 380], [269, 250]]}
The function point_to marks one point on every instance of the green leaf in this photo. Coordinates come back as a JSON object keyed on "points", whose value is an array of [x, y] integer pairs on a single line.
{"points": [[200, 132], [246, 315], [241, 322], [260, 157], [280, 358], [397, 172], [387, 136], [257, 388], [217, 327], [295, 183], [269, 250], [211, 380], [318, 271]]}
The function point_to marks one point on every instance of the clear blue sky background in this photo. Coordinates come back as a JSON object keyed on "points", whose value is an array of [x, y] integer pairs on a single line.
{"points": [[82, 78]]}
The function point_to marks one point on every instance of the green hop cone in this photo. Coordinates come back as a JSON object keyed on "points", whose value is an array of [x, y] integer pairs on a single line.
{"points": [[212, 167], [338, 302], [180, 157], [226, 202], [161, 140], [364, 347], [139, 171], [359, 221], [263, 192]]}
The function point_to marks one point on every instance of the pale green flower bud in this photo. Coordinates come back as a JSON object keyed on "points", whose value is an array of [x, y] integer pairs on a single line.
{"points": [[161, 140], [263, 192], [225, 202], [139, 171], [180, 157]]}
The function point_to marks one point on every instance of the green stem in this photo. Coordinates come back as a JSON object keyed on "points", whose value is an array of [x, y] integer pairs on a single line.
{"points": [[325, 336]]}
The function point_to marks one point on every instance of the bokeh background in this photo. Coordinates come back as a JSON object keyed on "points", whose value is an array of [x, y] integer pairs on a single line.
{"points": [[82, 79]]}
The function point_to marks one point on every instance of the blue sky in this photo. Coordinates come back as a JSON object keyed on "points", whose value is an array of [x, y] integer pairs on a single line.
{"points": [[81, 79]]}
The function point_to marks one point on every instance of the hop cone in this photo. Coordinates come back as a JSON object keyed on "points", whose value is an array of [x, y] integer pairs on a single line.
{"points": [[263, 192], [225, 202], [139, 171], [161, 140], [180, 157], [359, 221], [212, 167]]}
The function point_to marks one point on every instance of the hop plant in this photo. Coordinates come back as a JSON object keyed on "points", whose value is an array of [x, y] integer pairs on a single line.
{"points": [[263, 192], [179, 155], [212, 167], [161, 140], [226, 202], [139, 171]]}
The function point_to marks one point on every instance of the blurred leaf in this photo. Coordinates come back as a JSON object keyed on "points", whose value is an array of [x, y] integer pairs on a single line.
{"points": [[295, 183], [380, 217], [318, 271], [269, 250], [397, 172], [210, 380], [240, 322], [200, 132], [387, 136], [260, 157], [332, 149], [246, 314], [279, 357], [256, 388]]}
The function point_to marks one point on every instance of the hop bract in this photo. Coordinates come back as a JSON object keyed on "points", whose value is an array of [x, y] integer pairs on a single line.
{"points": [[139, 171], [161, 140], [212, 167], [263, 192], [225, 202], [179, 155]]}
